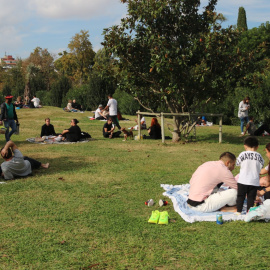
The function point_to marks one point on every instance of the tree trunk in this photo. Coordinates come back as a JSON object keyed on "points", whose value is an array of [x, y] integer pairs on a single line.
{"points": [[176, 134], [27, 90]]}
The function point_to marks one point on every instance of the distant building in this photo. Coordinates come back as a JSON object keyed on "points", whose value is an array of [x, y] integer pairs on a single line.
{"points": [[8, 61]]}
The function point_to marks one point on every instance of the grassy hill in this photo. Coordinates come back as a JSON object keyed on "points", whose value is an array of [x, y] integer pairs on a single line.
{"points": [[87, 210]]}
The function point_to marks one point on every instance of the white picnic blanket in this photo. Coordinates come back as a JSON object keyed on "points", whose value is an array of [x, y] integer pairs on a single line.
{"points": [[50, 141], [179, 195]]}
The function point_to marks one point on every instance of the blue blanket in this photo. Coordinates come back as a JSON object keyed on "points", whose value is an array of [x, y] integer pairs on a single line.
{"points": [[179, 195]]}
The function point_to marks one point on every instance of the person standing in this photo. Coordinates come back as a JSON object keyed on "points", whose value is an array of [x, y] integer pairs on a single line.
{"points": [[251, 163], [9, 116], [112, 106], [243, 112]]}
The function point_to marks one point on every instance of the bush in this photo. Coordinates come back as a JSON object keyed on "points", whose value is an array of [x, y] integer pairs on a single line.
{"points": [[126, 103]]}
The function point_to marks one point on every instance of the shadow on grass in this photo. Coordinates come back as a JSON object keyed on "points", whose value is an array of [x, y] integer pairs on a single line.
{"points": [[228, 138]]}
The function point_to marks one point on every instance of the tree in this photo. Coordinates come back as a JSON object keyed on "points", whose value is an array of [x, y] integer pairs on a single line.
{"points": [[242, 20], [44, 61], [81, 49], [33, 80], [172, 54]]}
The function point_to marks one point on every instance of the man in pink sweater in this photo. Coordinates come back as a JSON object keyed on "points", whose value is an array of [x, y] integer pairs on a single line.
{"points": [[204, 193]]}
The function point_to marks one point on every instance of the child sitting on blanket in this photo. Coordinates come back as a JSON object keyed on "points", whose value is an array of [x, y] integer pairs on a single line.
{"points": [[251, 163]]}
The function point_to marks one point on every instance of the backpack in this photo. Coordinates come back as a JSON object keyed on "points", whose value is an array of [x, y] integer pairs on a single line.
{"points": [[85, 135]]}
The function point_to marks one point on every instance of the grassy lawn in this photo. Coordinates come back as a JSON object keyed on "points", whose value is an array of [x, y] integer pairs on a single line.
{"points": [[87, 210]]}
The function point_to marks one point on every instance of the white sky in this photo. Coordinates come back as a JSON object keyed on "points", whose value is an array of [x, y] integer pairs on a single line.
{"points": [[27, 24]]}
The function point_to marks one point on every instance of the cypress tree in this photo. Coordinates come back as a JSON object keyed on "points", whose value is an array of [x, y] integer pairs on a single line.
{"points": [[242, 20]]}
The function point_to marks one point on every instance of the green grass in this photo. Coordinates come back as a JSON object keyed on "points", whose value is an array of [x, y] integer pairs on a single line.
{"points": [[87, 210]]}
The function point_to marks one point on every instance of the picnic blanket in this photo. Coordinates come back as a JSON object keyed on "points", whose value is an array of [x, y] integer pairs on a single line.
{"points": [[179, 195], [50, 141]]}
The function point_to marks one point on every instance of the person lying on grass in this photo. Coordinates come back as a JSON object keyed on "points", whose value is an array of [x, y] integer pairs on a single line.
{"points": [[15, 164], [204, 195]]}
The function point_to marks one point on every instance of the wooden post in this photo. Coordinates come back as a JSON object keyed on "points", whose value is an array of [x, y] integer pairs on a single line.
{"points": [[162, 127], [220, 129], [139, 125]]}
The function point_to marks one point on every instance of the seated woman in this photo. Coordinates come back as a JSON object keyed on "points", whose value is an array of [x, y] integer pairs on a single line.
{"points": [[73, 134], [155, 130], [108, 130], [265, 191], [69, 107], [47, 129], [18, 102]]}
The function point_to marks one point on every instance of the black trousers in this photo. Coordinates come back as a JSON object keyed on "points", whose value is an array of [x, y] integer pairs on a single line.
{"points": [[115, 120], [34, 163], [242, 192], [114, 135], [261, 129], [267, 195]]}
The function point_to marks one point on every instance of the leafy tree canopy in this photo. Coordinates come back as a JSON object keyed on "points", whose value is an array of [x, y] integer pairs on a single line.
{"points": [[242, 20], [170, 52]]}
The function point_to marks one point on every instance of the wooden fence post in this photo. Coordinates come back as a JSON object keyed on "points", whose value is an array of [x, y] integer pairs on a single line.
{"points": [[139, 125], [162, 128], [220, 129]]}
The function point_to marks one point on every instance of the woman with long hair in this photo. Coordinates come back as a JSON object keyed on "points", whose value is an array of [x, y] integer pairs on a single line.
{"points": [[266, 191], [155, 130], [243, 112]]}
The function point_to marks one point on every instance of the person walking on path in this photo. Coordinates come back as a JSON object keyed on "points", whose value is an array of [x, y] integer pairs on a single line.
{"points": [[9, 116]]}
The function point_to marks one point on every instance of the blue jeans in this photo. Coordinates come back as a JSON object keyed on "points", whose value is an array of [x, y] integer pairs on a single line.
{"points": [[12, 124], [243, 120]]}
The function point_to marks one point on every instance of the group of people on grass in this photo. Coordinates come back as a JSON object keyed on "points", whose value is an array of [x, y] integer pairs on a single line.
{"points": [[205, 194], [251, 128], [27, 103], [73, 106]]}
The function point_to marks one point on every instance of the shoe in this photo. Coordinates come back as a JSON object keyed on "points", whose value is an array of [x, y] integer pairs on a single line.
{"points": [[154, 217], [163, 218], [242, 133]]}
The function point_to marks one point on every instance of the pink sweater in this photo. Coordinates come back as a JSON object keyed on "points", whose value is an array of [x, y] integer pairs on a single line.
{"points": [[206, 177]]}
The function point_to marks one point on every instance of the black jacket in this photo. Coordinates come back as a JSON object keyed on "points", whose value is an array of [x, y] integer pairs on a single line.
{"points": [[4, 114]]}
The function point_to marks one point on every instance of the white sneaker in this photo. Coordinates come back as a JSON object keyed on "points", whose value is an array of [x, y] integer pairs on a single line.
{"points": [[242, 133]]}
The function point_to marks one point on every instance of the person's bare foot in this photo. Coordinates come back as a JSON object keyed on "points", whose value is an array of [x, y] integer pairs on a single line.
{"points": [[228, 209], [45, 166]]}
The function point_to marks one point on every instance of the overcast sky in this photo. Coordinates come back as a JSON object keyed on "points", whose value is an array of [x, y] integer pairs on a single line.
{"points": [[27, 24]]}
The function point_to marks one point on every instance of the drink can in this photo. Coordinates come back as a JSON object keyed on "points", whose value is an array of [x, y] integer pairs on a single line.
{"points": [[149, 202], [219, 219]]}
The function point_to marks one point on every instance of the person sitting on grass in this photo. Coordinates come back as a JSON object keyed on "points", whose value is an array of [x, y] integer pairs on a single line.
{"points": [[143, 124], [155, 130], [108, 130], [73, 134], [98, 113], [265, 192], [69, 107], [47, 129], [15, 164], [204, 194], [252, 130], [76, 105]]}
